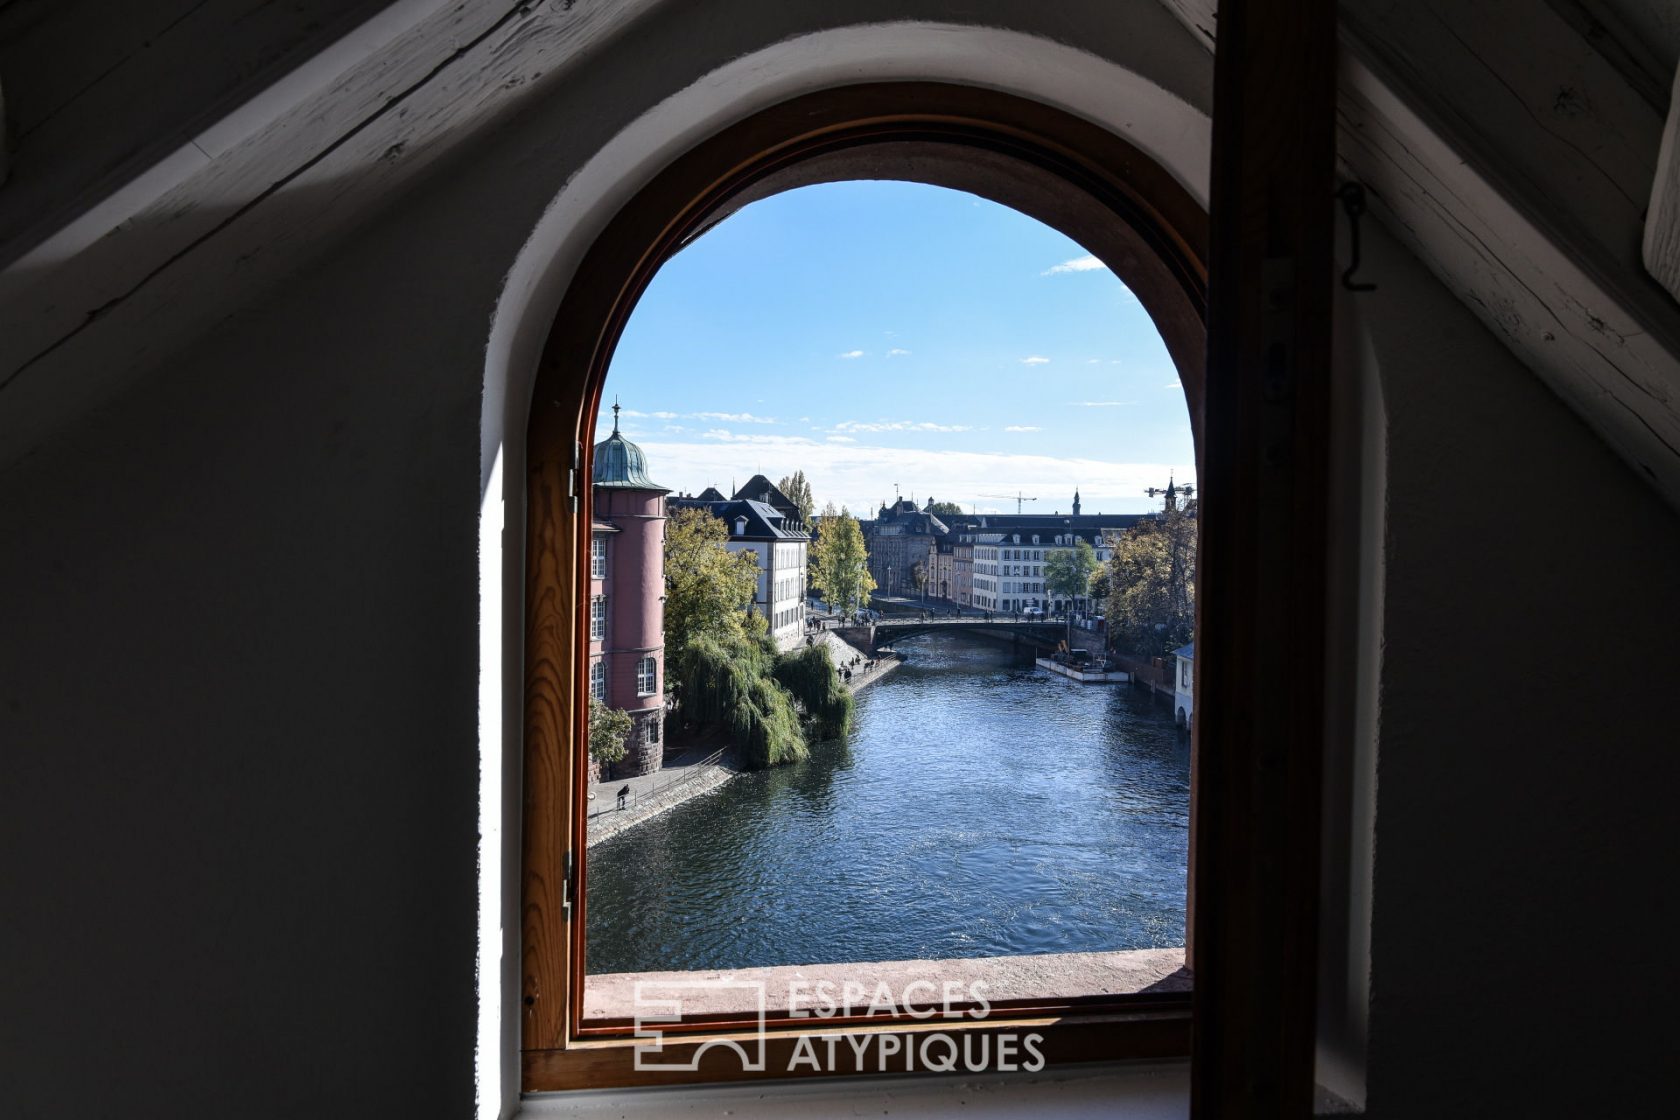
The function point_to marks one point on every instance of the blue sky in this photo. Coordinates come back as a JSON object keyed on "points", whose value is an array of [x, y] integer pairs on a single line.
{"points": [[873, 333]]}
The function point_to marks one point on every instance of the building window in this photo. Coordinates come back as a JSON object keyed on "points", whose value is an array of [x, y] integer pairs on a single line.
{"points": [[650, 731], [598, 681], [598, 617], [598, 557], [647, 677]]}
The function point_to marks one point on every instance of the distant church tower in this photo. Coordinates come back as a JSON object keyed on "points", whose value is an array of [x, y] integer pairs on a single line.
{"points": [[1076, 503]]}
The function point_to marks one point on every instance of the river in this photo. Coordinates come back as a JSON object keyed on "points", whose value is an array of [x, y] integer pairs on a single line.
{"points": [[978, 808]]}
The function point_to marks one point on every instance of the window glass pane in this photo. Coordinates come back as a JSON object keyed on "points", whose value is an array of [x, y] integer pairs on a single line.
{"points": [[808, 859]]}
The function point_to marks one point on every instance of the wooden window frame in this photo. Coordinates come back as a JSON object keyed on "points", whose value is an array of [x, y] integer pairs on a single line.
{"points": [[1156, 237]]}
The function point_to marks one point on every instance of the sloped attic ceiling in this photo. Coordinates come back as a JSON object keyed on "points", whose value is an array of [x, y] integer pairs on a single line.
{"points": [[1511, 144]]}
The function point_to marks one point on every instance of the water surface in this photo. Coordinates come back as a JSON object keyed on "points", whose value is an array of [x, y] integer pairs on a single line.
{"points": [[978, 808]]}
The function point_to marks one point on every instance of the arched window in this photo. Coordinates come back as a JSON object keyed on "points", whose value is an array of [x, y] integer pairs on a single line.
{"points": [[1137, 217]]}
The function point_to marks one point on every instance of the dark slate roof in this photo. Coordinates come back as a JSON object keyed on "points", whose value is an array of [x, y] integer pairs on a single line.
{"points": [[620, 464], [710, 494], [764, 522], [902, 506], [761, 489]]}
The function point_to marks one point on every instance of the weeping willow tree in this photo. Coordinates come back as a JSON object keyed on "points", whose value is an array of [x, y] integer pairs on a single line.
{"points": [[727, 684], [810, 676]]}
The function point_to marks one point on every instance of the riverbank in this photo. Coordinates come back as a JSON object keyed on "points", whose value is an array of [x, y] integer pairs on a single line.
{"points": [[653, 794], [843, 654], [660, 792]]}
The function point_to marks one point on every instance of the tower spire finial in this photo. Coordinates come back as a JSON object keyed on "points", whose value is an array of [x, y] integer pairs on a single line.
{"points": [[615, 414]]}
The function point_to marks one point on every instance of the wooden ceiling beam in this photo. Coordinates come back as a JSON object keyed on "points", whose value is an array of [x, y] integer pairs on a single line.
{"points": [[1515, 157]]}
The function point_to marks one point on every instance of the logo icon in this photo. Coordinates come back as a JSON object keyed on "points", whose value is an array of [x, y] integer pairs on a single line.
{"points": [[659, 1002]]}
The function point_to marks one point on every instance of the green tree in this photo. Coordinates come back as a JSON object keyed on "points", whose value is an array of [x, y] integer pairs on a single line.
{"points": [[1152, 576], [809, 674], [708, 589], [798, 492], [943, 509], [1067, 575], [609, 728], [840, 563], [727, 684]]}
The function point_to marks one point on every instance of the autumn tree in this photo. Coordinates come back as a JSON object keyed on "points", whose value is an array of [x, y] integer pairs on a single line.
{"points": [[708, 589], [840, 563], [1152, 583], [798, 491]]}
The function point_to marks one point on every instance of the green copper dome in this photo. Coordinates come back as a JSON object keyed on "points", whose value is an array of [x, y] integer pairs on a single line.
{"points": [[620, 463]]}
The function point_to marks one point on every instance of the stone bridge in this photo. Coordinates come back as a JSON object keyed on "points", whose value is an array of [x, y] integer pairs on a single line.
{"points": [[1035, 637]]}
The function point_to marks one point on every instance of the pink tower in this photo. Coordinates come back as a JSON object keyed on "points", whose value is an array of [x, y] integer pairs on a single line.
{"points": [[627, 598]]}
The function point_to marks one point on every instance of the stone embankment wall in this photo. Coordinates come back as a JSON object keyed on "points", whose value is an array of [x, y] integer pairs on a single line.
{"points": [[613, 822]]}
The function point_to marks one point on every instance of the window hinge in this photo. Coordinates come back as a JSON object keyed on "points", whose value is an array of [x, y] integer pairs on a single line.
{"points": [[571, 475], [568, 888]]}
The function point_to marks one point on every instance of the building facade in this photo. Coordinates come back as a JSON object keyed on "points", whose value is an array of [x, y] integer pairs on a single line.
{"points": [[626, 609], [898, 540], [1184, 689], [997, 560]]}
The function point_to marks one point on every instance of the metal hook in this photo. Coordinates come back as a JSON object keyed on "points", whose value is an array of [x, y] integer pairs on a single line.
{"points": [[1352, 195]]}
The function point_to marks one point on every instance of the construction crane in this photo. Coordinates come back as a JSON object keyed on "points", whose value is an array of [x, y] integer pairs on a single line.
{"points": [[1172, 492], [1018, 496]]}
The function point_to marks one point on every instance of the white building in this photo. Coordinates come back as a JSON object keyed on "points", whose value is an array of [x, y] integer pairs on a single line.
{"points": [[1183, 694], [1009, 566]]}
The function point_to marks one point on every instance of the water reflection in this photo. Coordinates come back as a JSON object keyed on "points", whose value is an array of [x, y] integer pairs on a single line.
{"points": [[977, 809]]}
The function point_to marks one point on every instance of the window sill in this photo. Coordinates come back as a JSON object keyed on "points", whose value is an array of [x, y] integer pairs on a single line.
{"points": [[1138, 1091], [1034, 978]]}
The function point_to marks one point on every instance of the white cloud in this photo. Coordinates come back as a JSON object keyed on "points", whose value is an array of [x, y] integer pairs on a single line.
{"points": [[675, 428], [896, 352], [1172, 385], [898, 426], [853, 474], [851, 354], [734, 417], [1035, 360], [1022, 428], [1093, 361], [723, 435], [1077, 264], [841, 439], [1102, 404]]}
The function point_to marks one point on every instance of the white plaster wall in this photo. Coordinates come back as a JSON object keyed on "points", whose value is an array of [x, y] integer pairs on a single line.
{"points": [[246, 670]]}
